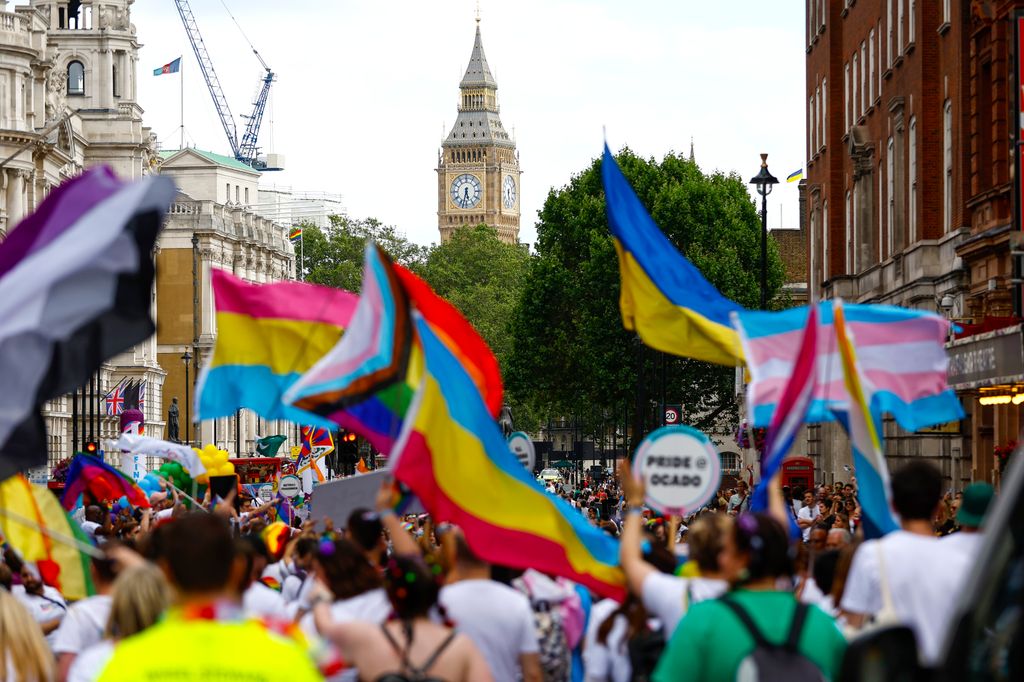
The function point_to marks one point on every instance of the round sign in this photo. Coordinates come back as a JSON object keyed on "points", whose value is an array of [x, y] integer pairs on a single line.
{"points": [[266, 492], [680, 469], [671, 416], [290, 486], [522, 447]]}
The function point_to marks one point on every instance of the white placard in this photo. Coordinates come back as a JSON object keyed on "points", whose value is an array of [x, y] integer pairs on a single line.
{"points": [[522, 447], [290, 486], [266, 492], [680, 469]]}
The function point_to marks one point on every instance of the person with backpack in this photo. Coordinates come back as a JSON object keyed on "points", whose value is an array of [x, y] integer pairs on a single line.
{"points": [[756, 631]]}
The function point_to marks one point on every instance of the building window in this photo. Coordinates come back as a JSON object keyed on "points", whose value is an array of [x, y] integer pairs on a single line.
{"points": [[947, 166], [899, 24], [890, 211], [812, 125], [912, 213], [227, 192], [848, 251], [871, 67], [114, 82], [236, 194], [888, 25], [846, 97], [881, 211], [730, 461], [864, 101], [946, 13], [76, 78], [247, 195], [856, 100], [911, 25], [824, 111], [878, 40], [825, 268]]}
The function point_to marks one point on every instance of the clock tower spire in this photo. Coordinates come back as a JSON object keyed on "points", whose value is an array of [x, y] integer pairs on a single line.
{"points": [[478, 165]]}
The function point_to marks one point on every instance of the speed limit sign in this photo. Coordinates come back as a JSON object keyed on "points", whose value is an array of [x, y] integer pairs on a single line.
{"points": [[673, 415]]}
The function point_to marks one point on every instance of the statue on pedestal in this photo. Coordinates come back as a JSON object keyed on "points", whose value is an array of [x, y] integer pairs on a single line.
{"points": [[172, 421]]}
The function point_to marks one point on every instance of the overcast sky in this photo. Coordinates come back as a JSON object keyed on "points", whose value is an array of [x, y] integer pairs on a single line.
{"points": [[365, 88]]}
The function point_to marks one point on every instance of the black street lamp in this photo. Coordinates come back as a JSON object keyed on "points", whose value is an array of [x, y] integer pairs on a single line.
{"points": [[187, 359], [764, 181]]}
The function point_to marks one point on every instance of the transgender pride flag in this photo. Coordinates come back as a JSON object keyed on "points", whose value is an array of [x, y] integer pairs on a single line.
{"points": [[792, 409], [900, 352]]}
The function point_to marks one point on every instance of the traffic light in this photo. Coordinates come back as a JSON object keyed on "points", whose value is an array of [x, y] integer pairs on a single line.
{"points": [[91, 448]]}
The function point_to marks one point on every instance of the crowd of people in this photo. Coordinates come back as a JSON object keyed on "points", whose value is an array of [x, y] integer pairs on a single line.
{"points": [[192, 591]]}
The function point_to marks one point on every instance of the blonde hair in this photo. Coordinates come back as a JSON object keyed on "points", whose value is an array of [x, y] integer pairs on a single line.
{"points": [[140, 596], [706, 539], [22, 645]]}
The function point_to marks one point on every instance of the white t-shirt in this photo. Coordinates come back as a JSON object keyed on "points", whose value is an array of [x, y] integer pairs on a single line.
{"points": [[88, 665], [924, 576], [261, 601], [808, 514], [369, 607], [966, 543], [668, 597], [497, 618], [83, 625], [43, 609], [89, 528], [608, 661]]}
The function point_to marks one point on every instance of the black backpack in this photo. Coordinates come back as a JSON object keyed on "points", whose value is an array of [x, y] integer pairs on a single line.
{"points": [[769, 661]]}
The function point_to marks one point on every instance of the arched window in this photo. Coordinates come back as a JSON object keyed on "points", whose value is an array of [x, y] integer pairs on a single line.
{"points": [[76, 78], [730, 461]]}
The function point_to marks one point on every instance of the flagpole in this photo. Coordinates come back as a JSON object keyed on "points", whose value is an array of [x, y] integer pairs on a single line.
{"points": [[181, 80]]}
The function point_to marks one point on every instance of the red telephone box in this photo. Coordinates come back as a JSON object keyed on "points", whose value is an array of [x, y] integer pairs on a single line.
{"points": [[798, 471]]}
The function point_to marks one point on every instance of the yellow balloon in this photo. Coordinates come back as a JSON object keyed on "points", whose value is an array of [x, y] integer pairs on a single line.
{"points": [[229, 468]]}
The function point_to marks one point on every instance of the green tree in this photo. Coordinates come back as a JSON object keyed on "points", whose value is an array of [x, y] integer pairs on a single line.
{"points": [[334, 256], [571, 354], [483, 277]]}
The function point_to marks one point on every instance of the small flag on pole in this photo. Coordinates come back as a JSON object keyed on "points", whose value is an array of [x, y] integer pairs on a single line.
{"points": [[295, 234], [171, 67], [795, 175]]}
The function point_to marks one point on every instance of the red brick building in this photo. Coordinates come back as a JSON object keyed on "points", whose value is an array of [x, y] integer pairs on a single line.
{"points": [[910, 197]]}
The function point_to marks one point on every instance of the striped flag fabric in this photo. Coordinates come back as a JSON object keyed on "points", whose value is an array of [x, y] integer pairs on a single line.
{"points": [[60, 563], [295, 234], [795, 176], [791, 410], [170, 67], [901, 354], [861, 423], [452, 455], [102, 481], [664, 297], [75, 284], [268, 335]]}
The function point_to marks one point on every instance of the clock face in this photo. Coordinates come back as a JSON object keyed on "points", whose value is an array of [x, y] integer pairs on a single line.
{"points": [[508, 191], [466, 191]]}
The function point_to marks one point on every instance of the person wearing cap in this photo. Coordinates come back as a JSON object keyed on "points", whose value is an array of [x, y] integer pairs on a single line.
{"points": [[976, 500]]}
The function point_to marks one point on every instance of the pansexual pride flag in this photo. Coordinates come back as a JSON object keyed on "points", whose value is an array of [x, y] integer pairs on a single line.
{"points": [[268, 335], [453, 456], [865, 438], [901, 353], [664, 297]]}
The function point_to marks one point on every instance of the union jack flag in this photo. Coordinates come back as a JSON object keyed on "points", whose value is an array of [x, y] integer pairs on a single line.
{"points": [[115, 400]]}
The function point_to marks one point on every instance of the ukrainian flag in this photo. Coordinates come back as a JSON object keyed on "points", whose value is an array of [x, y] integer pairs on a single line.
{"points": [[664, 298], [795, 175]]}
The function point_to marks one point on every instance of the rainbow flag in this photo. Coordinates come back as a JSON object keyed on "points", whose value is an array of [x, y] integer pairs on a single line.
{"points": [[60, 564], [453, 456], [267, 336], [664, 297], [102, 481], [367, 382], [902, 356], [295, 234], [865, 437]]}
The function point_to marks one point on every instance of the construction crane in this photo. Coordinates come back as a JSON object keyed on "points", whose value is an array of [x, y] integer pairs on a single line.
{"points": [[244, 149]]}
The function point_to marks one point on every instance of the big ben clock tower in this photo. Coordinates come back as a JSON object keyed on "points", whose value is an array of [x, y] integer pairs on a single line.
{"points": [[478, 166]]}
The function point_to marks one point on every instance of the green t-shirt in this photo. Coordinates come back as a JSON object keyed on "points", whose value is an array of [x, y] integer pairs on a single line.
{"points": [[203, 650], [710, 642]]}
